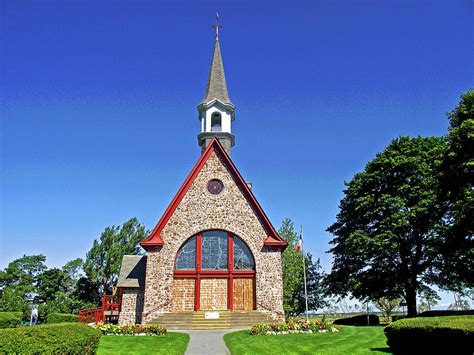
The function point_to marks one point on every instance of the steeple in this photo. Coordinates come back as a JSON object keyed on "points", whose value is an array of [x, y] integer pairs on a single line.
{"points": [[216, 111], [216, 85]]}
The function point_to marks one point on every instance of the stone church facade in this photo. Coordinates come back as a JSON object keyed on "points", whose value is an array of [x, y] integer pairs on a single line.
{"points": [[214, 248]]}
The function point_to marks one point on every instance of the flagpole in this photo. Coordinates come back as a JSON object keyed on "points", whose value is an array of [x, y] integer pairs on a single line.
{"points": [[304, 276]]}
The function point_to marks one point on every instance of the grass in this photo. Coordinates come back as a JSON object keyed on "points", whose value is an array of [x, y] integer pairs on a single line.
{"points": [[350, 340], [173, 343]]}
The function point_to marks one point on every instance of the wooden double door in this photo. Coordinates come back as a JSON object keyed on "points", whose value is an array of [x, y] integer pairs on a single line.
{"points": [[217, 294]]}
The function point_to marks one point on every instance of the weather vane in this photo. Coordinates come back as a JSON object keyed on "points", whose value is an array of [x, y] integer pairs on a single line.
{"points": [[217, 25]]}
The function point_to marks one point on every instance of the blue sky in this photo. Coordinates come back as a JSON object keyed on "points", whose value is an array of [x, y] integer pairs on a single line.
{"points": [[99, 119]]}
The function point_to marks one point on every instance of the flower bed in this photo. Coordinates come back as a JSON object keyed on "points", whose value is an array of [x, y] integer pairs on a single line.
{"points": [[132, 329], [294, 326]]}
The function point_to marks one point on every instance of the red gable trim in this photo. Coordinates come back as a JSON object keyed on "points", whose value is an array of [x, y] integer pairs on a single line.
{"points": [[273, 239]]}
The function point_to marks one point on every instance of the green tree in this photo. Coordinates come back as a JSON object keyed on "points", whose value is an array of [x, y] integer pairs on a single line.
{"points": [[86, 291], [19, 281], [388, 230], [50, 283], [23, 271], [387, 307], [457, 188], [103, 260], [73, 270], [427, 298], [293, 285]]}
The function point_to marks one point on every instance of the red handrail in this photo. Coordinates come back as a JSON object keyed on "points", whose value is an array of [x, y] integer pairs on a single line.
{"points": [[98, 315]]}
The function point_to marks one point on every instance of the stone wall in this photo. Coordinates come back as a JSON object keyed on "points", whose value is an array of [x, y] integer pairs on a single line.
{"points": [[199, 210], [132, 306]]}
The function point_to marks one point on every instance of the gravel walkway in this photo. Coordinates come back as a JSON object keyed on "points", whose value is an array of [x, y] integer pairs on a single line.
{"points": [[207, 342]]}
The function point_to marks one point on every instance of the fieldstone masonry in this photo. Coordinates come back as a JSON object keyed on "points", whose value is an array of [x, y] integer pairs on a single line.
{"points": [[132, 306], [199, 211]]}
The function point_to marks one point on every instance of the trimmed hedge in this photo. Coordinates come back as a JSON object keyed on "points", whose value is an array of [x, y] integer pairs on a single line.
{"points": [[62, 318], [398, 317], [360, 319], [10, 319], [61, 338], [451, 335], [446, 313]]}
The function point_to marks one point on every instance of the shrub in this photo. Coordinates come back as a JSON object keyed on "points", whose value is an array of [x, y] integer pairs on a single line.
{"points": [[293, 325], [10, 319], [50, 338], [360, 319], [398, 317], [131, 329], [445, 313], [435, 334], [62, 318]]}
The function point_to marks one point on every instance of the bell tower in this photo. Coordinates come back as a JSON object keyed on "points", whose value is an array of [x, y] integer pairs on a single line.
{"points": [[216, 111]]}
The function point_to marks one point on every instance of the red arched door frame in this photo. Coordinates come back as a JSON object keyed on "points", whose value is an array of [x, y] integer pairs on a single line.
{"points": [[198, 273]]}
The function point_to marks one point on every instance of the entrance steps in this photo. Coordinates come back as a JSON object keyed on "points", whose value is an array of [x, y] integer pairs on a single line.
{"points": [[198, 321]]}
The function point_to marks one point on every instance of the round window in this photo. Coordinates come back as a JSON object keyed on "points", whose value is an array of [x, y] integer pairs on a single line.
{"points": [[215, 186]]}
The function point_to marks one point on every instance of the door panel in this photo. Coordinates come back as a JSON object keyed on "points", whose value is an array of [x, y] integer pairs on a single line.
{"points": [[244, 294], [214, 294], [183, 294]]}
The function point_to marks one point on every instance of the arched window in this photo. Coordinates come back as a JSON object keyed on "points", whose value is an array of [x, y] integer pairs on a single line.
{"points": [[211, 251], [186, 259], [243, 259], [214, 270], [216, 122]]}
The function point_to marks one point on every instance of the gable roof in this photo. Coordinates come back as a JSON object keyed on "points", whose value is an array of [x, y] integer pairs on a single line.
{"points": [[132, 271], [272, 239]]}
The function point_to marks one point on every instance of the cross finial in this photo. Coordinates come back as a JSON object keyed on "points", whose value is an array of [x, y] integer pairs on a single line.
{"points": [[217, 26]]}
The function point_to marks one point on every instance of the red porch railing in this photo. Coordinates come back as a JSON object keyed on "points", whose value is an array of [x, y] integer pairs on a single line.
{"points": [[108, 311]]}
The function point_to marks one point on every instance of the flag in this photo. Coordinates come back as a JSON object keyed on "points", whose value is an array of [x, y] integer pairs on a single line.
{"points": [[299, 245]]}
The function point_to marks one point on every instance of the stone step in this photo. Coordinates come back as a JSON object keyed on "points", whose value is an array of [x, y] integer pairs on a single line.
{"points": [[198, 321]]}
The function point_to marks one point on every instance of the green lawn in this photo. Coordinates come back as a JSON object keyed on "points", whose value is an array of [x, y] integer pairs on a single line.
{"points": [[173, 343], [350, 340]]}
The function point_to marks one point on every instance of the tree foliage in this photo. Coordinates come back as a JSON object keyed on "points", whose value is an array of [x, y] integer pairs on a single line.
{"points": [[102, 264], [387, 307], [389, 229], [457, 188], [19, 282], [293, 285]]}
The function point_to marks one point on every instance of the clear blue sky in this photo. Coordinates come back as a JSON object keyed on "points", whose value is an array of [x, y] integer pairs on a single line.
{"points": [[99, 118]]}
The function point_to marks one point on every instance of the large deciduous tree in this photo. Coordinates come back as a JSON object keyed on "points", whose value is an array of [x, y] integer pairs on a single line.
{"points": [[293, 286], [457, 188], [103, 260], [19, 282], [388, 230]]}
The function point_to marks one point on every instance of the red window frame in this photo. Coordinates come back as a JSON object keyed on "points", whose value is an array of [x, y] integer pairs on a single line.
{"points": [[199, 274]]}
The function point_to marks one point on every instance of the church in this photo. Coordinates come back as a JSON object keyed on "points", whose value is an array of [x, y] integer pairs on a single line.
{"points": [[214, 254]]}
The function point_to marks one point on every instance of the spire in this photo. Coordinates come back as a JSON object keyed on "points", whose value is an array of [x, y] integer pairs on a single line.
{"points": [[216, 85]]}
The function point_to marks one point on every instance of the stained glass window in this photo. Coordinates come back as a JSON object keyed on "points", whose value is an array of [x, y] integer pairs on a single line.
{"points": [[243, 259], [186, 259], [214, 250]]}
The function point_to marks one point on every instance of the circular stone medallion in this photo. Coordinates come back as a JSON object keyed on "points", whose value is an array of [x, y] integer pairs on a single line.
{"points": [[215, 186]]}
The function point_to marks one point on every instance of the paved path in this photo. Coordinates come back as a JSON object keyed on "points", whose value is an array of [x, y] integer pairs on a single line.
{"points": [[207, 342]]}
